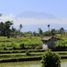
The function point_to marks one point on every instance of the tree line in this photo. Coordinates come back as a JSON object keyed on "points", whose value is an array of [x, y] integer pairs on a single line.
{"points": [[51, 32], [7, 29]]}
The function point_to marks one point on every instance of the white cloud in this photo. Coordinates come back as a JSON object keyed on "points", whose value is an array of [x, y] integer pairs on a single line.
{"points": [[6, 18], [28, 21]]}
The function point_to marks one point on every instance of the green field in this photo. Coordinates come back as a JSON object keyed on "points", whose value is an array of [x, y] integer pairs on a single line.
{"points": [[24, 48], [31, 56]]}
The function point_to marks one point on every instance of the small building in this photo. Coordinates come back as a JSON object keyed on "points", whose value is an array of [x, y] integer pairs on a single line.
{"points": [[49, 41]]}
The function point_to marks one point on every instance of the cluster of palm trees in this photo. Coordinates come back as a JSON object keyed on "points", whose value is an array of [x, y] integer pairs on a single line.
{"points": [[53, 31]]}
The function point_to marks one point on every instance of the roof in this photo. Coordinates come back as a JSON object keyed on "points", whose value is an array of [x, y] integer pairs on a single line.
{"points": [[49, 37], [46, 38]]}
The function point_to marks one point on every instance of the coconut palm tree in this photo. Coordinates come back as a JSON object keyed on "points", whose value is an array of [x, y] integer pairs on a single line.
{"points": [[48, 27], [20, 27]]}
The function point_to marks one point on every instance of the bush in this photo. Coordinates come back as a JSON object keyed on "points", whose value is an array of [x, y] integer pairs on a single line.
{"points": [[27, 52], [50, 60], [38, 47], [22, 46]]}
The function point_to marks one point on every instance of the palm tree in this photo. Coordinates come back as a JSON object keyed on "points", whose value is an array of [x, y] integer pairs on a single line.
{"points": [[48, 27], [40, 31], [53, 32], [20, 27], [62, 31]]}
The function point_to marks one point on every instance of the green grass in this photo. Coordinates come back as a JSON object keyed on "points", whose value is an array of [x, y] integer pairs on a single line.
{"points": [[11, 43], [8, 54], [32, 54]]}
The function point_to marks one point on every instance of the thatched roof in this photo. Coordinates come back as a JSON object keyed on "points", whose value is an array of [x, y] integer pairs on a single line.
{"points": [[47, 38]]}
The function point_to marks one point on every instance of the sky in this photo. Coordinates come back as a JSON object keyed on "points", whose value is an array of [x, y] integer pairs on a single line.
{"points": [[55, 7], [35, 12]]}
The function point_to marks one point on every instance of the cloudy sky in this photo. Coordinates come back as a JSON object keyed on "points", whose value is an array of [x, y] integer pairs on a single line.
{"points": [[34, 12]]}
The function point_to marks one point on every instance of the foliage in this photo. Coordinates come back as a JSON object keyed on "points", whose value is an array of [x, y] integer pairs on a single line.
{"points": [[19, 43], [38, 47], [22, 46], [27, 52], [50, 59], [61, 30], [40, 31], [53, 32], [5, 28], [48, 27], [20, 27], [61, 43]]}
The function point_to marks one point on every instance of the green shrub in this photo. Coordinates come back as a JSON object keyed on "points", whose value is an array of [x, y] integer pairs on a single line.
{"points": [[22, 46], [50, 60], [62, 43], [38, 47], [27, 52]]}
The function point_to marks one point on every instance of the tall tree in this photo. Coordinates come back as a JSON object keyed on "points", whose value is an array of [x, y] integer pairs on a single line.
{"points": [[20, 27], [2, 29], [40, 31], [7, 28], [34, 33], [13, 32], [62, 31], [48, 27], [53, 32]]}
